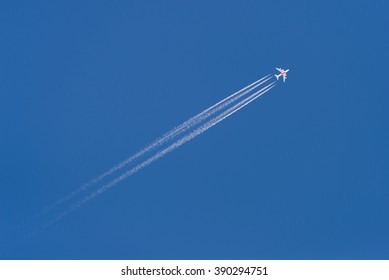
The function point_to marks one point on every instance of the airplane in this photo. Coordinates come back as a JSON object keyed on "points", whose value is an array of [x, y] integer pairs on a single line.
{"points": [[283, 73]]}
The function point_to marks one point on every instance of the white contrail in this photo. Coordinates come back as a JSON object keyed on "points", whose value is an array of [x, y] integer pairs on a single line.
{"points": [[165, 151], [167, 137]]}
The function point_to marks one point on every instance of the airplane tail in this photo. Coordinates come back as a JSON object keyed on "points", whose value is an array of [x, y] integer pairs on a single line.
{"points": [[278, 76]]}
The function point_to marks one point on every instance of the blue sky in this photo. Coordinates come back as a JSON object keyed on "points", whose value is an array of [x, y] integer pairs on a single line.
{"points": [[302, 173]]}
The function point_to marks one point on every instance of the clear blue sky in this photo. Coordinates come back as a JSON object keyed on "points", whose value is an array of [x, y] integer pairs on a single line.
{"points": [[302, 173]]}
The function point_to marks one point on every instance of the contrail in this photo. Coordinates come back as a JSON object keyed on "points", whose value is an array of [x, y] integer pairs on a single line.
{"points": [[166, 137], [165, 151]]}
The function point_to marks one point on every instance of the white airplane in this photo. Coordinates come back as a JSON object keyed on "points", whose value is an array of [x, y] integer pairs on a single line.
{"points": [[283, 73]]}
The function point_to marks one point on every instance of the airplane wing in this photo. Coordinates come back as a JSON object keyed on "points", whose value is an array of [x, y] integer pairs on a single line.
{"points": [[279, 69], [284, 76]]}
